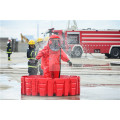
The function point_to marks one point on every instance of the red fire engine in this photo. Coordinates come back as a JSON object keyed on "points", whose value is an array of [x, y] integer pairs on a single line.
{"points": [[77, 42]]}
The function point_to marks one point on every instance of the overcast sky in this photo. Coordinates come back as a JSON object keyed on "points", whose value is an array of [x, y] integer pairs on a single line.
{"points": [[13, 28]]}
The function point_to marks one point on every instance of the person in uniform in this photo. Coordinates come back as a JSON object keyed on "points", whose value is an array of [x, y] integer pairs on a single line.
{"points": [[9, 49], [31, 54], [51, 57]]}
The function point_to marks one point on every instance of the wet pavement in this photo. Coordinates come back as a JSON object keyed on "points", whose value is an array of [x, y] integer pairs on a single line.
{"points": [[9, 88], [100, 77], [100, 87]]}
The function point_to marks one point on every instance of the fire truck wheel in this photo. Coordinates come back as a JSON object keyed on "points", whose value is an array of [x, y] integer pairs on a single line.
{"points": [[115, 53], [77, 52]]}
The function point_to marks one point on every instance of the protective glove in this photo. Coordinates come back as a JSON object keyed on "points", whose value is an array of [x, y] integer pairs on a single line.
{"points": [[70, 63]]}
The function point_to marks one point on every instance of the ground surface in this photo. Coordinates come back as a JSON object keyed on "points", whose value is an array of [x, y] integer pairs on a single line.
{"points": [[100, 77]]}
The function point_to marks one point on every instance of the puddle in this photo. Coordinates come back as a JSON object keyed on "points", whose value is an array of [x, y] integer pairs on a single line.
{"points": [[9, 89], [97, 85], [86, 65], [94, 65], [4, 87]]}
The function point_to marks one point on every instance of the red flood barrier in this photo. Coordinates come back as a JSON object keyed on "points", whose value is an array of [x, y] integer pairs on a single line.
{"points": [[38, 85]]}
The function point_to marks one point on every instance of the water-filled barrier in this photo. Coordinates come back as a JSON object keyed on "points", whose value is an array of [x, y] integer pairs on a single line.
{"points": [[39, 85]]}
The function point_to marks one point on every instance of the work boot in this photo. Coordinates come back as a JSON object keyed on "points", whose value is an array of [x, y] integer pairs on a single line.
{"points": [[9, 59]]}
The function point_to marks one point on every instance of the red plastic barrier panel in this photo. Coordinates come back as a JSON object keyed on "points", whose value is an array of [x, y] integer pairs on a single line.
{"points": [[34, 86], [59, 86], [42, 87], [67, 87], [50, 87], [28, 85], [37, 84], [23, 92], [75, 85]]}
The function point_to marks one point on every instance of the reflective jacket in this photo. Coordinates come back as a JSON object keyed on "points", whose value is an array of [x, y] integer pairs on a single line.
{"points": [[31, 54], [9, 49]]}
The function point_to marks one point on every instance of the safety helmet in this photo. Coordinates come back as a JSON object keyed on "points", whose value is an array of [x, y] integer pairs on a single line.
{"points": [[54, 36], [31, 42], [9, 40], [39, 39]]}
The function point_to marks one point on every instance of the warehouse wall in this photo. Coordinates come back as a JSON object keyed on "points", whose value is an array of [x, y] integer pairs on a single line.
{"points": [[22, 47], [3, 43]]}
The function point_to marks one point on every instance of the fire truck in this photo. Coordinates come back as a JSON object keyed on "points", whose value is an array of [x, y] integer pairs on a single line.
{"points": [[77, 42]]}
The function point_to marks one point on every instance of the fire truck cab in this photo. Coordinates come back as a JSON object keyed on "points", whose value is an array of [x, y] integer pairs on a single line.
{"points": [[77, 42]]}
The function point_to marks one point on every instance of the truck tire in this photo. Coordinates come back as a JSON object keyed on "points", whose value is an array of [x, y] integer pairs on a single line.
{"points": [[77, 52], [115, 53]]}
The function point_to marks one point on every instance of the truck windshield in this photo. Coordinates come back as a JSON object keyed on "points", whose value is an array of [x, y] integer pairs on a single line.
{"points": [[73, 39]]}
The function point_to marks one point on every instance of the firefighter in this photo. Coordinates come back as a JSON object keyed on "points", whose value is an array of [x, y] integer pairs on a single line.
{"points": [[40, 43], [31, 54], [40, 46], [51, 57], [9, 49]]}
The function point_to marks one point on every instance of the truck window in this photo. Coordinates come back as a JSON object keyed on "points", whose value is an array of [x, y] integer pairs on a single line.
{"points": [[73, 39]]}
